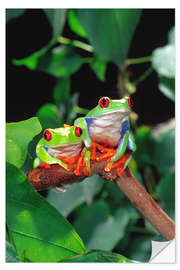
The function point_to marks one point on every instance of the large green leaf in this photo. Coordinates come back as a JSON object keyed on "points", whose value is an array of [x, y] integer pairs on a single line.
{"points": [[37, 228], [56, 18], [50, 116], [163, 151], [98, 256], [166, 193], [11, 255], [140, 248], [167, 87], [62, 91], [163, 61], [110, 31], [171, 36], [74, 23], [18, 136], [13, 13], [144, 141], [75, 195], [60, 62], [100, 229], [99, 67]]}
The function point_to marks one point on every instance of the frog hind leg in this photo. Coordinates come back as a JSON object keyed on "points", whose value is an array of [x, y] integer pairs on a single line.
{"points": [[123, 161]]}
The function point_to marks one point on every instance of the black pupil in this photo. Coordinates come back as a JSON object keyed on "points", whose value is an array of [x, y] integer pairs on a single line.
{"points": [[103, 102], [45, 135], [80, 131]]}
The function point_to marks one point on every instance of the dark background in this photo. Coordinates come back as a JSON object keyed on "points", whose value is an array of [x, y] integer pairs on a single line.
{"points": [[27, 90]]}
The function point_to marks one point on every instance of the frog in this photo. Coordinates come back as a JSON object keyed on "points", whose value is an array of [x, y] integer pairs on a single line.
{"points": [[107, 128], [63, 146]]}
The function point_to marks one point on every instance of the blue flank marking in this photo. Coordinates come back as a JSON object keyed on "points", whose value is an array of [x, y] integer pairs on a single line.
{"points": [[89, 121], [46, 148], [125, 128]]}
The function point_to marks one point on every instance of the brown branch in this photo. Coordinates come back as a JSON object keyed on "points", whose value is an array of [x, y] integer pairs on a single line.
{"points": [[42, 178]]}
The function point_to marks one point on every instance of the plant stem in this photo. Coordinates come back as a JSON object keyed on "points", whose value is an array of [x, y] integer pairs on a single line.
{"points": [[143, 76], [140, 60], [76, 43]]}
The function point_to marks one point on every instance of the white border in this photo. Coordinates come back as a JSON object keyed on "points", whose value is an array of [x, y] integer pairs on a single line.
{"points": [[79, 4]]}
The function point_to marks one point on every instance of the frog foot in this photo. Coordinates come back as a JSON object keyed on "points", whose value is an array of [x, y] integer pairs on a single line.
{"points": [[81, 164], [44, 165], [119, 164], [111, 152], [69, 161], [102, 149]]}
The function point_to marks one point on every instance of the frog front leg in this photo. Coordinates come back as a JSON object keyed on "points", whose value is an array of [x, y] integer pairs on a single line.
{"points": [[45, 157], [122, 145], [123, 162]]}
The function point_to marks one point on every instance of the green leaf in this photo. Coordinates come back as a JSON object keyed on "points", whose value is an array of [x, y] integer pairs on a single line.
{"points": [[60, 62], [99, 67], [110, 31], [31, 61], [50, 116], [163, 151], [144, 142], [171, 36], [56, 18], [11, 255], [98, 256], [98, 228], [167, 87], [75, 195], [62, 91], [140, 248], [13, 13], [18, 136], [37, 228], [74, 24], [165, 191], [163, 61]]}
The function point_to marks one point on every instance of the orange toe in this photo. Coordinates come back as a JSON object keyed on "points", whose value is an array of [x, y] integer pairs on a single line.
{"points": [[44, 165]]}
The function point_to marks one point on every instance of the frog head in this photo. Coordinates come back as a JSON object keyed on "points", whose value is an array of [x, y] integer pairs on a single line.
{"points": [[53, 138], [110, 106]]}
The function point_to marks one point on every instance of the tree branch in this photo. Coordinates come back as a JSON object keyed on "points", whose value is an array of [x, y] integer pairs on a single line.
{"points": [[42, 178]]}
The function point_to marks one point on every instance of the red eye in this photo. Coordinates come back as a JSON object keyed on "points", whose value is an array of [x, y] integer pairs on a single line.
{"points": [[104, 102], [130, 102], [78, 131], [47, 135]]}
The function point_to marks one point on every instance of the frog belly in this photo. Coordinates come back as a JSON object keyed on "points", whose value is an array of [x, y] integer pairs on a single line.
{"points": [[107, 129], [67, 151]]}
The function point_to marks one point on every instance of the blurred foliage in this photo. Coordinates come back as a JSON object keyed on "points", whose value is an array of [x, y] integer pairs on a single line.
{"points": [[37, 229], [163, 61]]}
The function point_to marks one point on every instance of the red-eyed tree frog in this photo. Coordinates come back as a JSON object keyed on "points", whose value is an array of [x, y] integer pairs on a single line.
{"points": [[62, 146], [108, 125]]}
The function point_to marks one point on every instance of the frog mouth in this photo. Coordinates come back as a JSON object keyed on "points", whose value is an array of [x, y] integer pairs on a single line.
{"points": [[59, 147], [66, 150], [124, 112]]}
